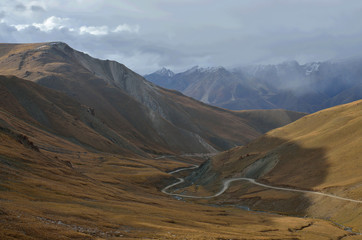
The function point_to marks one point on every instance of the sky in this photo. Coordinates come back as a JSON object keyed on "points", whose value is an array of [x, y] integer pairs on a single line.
{"points": [[147, 35]]}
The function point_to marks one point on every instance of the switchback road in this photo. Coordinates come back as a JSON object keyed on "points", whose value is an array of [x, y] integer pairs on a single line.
{"points": [[227, 182]]}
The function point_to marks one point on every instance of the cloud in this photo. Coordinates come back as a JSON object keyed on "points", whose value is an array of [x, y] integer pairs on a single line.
{"points": [[51, 23], [36, 8], [101, 30], [104, 30], [6, 33], [146, 34], [127, 28], [20, 27], [56, 23], [20, 7]]}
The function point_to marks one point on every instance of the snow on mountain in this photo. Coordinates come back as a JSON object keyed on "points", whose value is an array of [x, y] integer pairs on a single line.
{"points": [[165, 72], [311, 68]]}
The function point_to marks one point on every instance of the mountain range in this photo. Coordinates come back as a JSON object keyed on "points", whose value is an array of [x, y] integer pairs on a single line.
{"points": [[120, 108], [306, 88], [87, 147]]}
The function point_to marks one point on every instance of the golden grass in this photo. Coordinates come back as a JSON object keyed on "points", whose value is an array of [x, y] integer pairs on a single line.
{"points": [[68, 190], [77, 194], [320, 152]]}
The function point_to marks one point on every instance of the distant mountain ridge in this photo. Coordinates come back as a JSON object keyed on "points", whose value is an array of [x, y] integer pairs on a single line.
{"points": [[127, 111], [307, 88]]}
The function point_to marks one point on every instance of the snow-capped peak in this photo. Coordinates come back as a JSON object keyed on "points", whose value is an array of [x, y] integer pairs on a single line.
{"points": [[204, 70], [211, 69], [311, 68], [165, 72]]}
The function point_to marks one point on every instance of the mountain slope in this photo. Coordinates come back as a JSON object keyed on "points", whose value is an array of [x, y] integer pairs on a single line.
{"points": [[337, 131], [215, 86], [52, 188], [153, 119], [72, 164], [59, 114], [319, 152]]}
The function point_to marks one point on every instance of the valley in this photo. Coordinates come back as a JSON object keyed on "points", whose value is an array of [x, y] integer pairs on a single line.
{"points": [[90, 149], [291, 170], [67, 195], [226, 184]]}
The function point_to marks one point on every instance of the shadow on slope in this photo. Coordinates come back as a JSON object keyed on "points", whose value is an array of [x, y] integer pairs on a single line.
{"points": [[47, 197], [148, 117], [270, 160], [57, 113]]}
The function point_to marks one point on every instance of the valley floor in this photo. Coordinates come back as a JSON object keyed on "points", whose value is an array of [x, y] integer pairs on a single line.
{"points": [[79, 201], [53, 188]]}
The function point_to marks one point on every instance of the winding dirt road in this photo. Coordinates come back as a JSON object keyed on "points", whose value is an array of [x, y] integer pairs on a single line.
{"points": [[183, 169], [227, 182]]}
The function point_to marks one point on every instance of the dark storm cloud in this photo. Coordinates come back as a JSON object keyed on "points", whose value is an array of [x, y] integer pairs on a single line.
{"points": [[146, 35]]}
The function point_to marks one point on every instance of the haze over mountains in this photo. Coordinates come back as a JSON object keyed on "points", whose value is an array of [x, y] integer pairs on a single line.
{"points": [[289, 85]]}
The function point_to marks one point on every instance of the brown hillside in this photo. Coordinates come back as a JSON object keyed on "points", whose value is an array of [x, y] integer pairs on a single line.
{"points": [[320, 152], [51, 188], [264, 120], [57, 113], [336, 132], [153, 119]]}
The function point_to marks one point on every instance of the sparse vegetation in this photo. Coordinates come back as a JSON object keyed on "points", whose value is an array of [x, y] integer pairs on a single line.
{"points": [[319, 152], [23, 139], [86, 160]]}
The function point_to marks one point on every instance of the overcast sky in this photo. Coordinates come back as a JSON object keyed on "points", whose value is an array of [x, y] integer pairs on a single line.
{"points": [[146, 35]]}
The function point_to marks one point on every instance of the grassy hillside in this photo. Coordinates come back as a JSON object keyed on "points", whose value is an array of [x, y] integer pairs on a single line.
{"points": [[264, 120], [75, 162], [319, 152], [51, 188], [57, 113]]}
